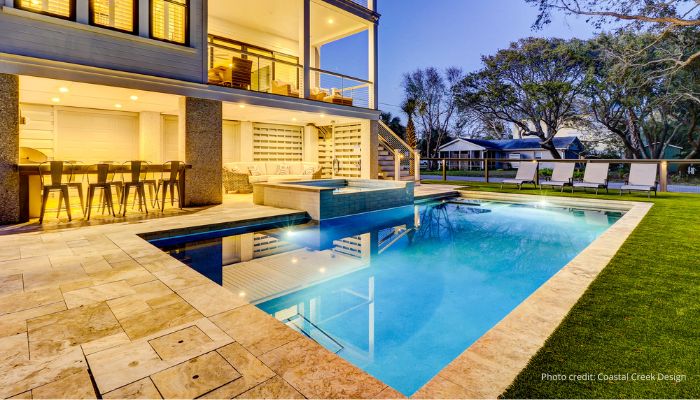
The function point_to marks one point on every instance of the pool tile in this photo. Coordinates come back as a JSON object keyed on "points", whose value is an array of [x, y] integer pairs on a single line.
{"points": [[273, 388], [25, 265], [122, 365], [173, 345], [14, 349], [142, 389], [51, 334], [441, 388], [14, 323], [253, 372], [24, 395], [318, 373], [106, 342], [11, 284], [245, 323], [195, 377], [76, 386], [181, 278], [166, 312]]}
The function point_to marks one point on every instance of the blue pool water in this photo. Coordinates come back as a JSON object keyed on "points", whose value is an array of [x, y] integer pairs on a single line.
{"points": [[415, 287]]}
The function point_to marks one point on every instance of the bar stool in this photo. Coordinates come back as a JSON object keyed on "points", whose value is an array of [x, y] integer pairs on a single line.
{"points": [[106, 193], [56, 170], [170, 178], [135, 172], [73, 183], [149, 180]]}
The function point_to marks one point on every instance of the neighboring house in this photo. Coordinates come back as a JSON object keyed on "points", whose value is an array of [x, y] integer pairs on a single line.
{"points": [[201, 81], [510, 149]]}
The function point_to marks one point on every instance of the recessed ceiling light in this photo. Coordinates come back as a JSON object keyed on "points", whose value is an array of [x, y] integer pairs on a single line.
{"points": [[63, 89], [323, 115], [241, 105], [134, 97], [330, 20], [56, 99], [294, 119], [118, 105], [241, 294]]}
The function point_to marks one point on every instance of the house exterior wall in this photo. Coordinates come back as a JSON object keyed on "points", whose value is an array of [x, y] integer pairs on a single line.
{"points": [[34, 35], [9, 149]]}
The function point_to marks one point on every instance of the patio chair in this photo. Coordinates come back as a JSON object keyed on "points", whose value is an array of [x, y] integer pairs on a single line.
{"points": [[642, 178], [563, 175], [595, 177], [105, 185], [136, 170], [527, 172], [57, 183], [170, 179]]}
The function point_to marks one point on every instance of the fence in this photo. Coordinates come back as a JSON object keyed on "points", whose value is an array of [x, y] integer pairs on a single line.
{"points": [[674, 175]]}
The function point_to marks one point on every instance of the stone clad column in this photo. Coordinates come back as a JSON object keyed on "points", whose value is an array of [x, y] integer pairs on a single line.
{"points": [[202, 124], [9, 148]]}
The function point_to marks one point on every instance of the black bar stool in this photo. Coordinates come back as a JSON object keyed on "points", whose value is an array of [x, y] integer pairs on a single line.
{"points": [[106, 194], [73, 182], [56, 184], [136, 183], [170, 178]]}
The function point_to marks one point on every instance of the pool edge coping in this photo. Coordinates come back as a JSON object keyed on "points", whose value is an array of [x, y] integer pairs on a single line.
{"points": [[487, 367]]}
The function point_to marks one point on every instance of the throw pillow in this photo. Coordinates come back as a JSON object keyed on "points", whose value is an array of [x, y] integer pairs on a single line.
{"points": [[253, 169], [309, 170], [282, 169]]}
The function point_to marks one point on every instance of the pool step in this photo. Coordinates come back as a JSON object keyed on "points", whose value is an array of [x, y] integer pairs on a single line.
{"points": [[302, 325]]}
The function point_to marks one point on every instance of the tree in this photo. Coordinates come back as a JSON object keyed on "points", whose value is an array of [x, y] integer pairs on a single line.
{"points": [[437, 114], [394, 123], [410, 107], [534, 84], [679, 19]]}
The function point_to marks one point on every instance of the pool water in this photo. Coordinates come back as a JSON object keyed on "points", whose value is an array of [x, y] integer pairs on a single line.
{"points": [[400, 297]]}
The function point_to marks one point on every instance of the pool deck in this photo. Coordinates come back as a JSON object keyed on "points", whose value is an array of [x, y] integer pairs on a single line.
{"points": [[97, 310]]}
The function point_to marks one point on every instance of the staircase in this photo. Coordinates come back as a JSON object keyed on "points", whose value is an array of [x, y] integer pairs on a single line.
{"points": [[389, 148]]}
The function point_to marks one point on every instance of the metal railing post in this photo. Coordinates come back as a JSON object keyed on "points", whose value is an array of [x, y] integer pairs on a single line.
{"points": [[486, 170], [537, 173], [397, 165], [444, 169], [663, 176], [416, 165]]}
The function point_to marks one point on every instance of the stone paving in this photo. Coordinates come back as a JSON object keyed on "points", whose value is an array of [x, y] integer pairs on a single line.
{"points": [[97, 311]]}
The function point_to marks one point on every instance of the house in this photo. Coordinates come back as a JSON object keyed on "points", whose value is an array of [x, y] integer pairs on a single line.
{"points": [[511, 149], [201, 81]]}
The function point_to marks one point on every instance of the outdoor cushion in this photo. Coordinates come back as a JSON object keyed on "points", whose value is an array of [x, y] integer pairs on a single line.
{"points": [[283, 169]]}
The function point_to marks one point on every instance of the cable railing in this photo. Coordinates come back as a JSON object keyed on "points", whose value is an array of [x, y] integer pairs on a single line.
{"points": [[674, 175], [336, 88], [408, 158]]}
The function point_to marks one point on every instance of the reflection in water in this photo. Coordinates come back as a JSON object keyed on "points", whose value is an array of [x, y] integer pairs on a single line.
{"points": [[402, 293]]}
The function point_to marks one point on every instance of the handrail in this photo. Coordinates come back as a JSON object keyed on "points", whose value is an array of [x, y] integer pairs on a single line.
{"points": [[339, 75], [396, 137], [574, 160], [247, 53]]}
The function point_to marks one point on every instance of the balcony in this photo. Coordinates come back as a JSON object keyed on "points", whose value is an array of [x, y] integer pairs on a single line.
{"points": [[261, 47], [239, 65]]}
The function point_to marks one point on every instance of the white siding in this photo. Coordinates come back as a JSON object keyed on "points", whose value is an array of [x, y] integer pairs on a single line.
{"points": [[277, 142], [231, 139], [38, 132], [347, 139], [170, 138]]}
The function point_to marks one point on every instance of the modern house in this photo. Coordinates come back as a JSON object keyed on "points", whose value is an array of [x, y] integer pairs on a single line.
{"points": [[205, 82], [511, 149]]}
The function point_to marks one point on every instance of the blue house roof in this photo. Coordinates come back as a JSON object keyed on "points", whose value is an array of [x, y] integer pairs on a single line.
{"points": [[567, 143]]}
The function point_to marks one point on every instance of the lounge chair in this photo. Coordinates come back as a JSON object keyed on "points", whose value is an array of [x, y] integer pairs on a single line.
{"points": [[642, 178], [527, 172], [595, 177], [563, 175]]}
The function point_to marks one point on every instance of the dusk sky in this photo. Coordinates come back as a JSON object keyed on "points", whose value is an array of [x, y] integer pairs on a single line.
{"points": [[421, 33]]}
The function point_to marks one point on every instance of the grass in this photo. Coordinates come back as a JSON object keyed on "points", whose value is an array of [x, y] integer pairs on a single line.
{"points": [[640, 315]]}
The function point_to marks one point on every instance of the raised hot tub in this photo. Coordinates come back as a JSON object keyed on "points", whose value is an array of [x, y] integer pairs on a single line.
{"points": [[332, 198]]}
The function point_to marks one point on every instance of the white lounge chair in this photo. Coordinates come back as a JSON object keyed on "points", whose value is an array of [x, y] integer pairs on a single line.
{"points": [[562, 175], [595, 177], [527, 173], [642, 178]]}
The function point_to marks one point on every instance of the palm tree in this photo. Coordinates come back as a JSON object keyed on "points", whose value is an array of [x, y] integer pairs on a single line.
{"points": [[410, 106]]}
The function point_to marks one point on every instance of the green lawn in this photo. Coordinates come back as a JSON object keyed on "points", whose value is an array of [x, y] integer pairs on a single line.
{"points": [[640, 315]]}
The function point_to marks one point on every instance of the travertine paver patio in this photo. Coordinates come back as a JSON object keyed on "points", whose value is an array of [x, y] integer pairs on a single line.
{"points": [[98, 309]]}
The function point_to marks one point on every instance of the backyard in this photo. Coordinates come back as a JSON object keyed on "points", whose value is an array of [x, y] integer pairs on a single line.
{"points": [[638, 317]]}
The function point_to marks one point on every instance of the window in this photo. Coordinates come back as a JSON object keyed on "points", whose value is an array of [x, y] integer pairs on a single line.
{"points": [[57, 8], [115, 14], [169, 20]]}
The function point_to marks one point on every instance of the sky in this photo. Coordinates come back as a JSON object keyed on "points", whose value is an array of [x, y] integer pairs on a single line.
{"points": [[441, 33]]}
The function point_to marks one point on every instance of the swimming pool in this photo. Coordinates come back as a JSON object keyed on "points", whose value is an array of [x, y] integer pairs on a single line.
{"points": [[400, 294]]}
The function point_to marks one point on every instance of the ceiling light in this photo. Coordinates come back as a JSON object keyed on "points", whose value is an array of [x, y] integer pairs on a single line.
{"points": [[63, 89], [241, 294], [56, 99], [330, 20], [322, 270], [134, 97], [294, 260], [294, 119], [241, 105], [118, 105], [323, 115]]}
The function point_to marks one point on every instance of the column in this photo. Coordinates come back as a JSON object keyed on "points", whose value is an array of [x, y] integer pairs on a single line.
{"points": [[201, 128], [151, 136], [82, 11], [144, 18], [369, 149], [246, 141], [310, 144], [9, 149], [305, 46], [372, 62]]}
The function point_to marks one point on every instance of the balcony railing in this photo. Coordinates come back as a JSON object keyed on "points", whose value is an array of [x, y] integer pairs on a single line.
{"points": [[236, 65]]}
